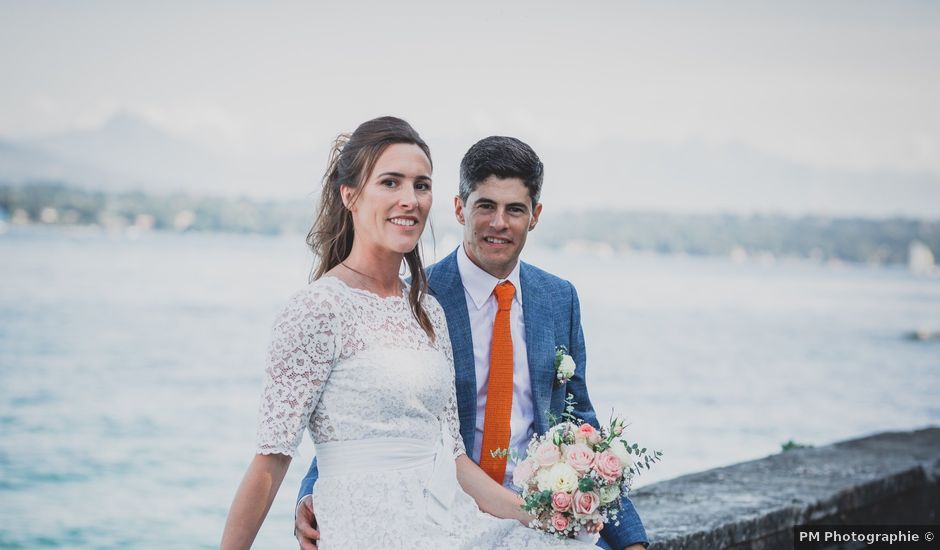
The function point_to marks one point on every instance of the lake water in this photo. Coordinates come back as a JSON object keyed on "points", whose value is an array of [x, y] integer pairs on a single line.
{"points": [[130, 370]]}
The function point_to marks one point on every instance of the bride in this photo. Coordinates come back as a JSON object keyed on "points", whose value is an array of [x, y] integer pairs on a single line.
{"points": [[363, 360]]}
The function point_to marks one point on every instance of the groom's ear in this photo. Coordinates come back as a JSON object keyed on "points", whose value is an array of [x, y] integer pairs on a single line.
{"points": [[536, 212], [458, 209]]}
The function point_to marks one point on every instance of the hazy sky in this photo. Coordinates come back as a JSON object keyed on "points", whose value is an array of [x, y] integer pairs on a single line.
{"points": [[839, 84]]}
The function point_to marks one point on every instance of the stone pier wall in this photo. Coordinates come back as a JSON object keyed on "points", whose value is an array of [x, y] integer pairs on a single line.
{"points": [[889, 478]]}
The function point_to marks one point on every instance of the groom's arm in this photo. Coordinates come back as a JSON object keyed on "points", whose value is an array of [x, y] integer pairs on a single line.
{"points": [[630, 532], [306, 486], [305, 522]]}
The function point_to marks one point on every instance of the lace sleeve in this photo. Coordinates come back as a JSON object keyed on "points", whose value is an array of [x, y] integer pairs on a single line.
{"points": [[450, 415], [304, 347]]}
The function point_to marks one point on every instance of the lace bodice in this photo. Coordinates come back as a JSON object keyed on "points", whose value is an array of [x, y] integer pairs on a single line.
{"points": [[348, 364]]}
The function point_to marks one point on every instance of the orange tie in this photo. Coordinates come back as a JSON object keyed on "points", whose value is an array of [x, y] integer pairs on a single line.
{"points": [[499, 388]]}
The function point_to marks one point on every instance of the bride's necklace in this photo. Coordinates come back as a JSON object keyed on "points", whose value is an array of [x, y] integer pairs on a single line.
{"points": [[370, 278]]}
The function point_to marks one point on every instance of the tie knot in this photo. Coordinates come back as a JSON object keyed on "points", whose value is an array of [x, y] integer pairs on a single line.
{"points": [[504, 293]]}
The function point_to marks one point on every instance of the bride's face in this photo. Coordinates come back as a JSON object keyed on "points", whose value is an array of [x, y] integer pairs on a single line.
{"points": [[392, 208]]}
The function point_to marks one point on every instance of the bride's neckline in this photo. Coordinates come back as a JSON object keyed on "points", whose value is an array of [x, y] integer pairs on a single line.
{"points": [[369, 293]]}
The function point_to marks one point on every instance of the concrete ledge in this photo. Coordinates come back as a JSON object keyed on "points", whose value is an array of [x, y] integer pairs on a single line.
{"points": [[888, 478]]}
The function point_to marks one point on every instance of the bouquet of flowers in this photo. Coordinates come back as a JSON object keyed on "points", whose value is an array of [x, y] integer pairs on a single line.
{"points": [[573, 475]]}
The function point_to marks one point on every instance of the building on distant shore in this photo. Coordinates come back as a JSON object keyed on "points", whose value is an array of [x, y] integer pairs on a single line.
{"points": [[920, 259]]}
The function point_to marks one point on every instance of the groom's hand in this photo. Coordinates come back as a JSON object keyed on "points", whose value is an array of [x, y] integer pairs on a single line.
{"points": [[305, 523]]}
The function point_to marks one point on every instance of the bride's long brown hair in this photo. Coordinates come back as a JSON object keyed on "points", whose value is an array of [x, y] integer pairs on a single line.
{"points": [[352, 159]]}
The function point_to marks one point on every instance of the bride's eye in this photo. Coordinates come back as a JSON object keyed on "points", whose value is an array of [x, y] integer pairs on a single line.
{"points": [[390, 183]]}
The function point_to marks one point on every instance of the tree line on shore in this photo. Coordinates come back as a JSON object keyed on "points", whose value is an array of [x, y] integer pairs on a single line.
{"points": [[815, 237], [878, 241], [58, 203]]}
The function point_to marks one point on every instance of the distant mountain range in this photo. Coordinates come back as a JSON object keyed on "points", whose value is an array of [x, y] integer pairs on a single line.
{"points": [[130, 153]]}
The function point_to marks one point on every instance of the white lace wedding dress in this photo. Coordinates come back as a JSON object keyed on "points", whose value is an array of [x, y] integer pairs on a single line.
{"points": [[360, 373]]}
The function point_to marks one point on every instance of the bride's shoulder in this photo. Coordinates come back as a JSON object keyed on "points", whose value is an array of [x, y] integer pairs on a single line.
{"points": [[323, 295]]}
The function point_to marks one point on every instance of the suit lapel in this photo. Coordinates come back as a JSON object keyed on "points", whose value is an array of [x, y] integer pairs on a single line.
{"points": [[447, 286], [540, 345]]}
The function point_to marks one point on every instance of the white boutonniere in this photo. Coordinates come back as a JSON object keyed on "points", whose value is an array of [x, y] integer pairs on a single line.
{"points": [[564, 365]]}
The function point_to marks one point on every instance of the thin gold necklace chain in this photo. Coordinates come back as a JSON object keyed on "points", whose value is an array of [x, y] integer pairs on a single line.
{"points": [[356, 271], [400, 288]]}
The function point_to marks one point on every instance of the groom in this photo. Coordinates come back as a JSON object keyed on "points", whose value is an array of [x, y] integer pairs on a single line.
{"points": [[503, 397]]}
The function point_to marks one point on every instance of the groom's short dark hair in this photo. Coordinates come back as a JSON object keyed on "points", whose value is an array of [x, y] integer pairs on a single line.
{"points": [[503, 157]]}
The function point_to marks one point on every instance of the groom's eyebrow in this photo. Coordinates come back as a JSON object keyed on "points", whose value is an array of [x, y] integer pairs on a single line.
{"points": [[484, 200]]}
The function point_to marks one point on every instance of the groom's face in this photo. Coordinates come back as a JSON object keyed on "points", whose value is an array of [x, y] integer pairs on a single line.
{"points": [[496, 219]]}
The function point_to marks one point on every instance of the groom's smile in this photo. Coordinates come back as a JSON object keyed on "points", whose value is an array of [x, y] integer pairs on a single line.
{"points": [[497, 217]]}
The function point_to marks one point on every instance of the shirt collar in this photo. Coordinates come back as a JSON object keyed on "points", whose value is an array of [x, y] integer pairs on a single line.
{"points": [[479, 284]]}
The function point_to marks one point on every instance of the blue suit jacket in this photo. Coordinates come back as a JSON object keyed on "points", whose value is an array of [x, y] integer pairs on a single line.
{"points": [[552, 318]]}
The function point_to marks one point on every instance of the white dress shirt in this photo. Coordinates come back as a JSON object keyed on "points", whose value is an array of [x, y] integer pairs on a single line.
{"points": [[478, 288]]}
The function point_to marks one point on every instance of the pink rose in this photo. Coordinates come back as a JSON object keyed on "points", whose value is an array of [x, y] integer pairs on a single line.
{"points": [[547, 454], [587, 433], [585, 504], [559, 521], [608, 466], [580, 457], [561, 501], [523, 472]]}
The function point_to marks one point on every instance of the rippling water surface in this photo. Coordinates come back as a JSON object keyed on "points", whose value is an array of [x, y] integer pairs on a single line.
{"points": [[130, 371]]}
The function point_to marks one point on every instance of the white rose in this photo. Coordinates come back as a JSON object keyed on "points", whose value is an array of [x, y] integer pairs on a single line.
{"points": [[610, 494], [626, 459], [543, 479], [566, 367], [563, 478]]}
